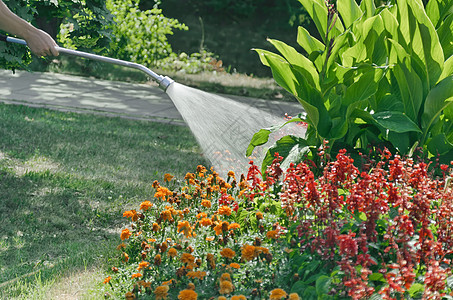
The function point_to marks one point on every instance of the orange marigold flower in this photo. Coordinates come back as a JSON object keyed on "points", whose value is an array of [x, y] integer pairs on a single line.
{"points": [[130, 296], [206, 203], [238, 297], [225, 210], [189, 176], [259, 250], [155, 184], [131, 214], [225, 225], [235, 265], [277, 294], [161, 292], [162, 192], [187, 258], [248, 252], [191, 286], [202, 215], [225, 277], [259, 215], [172, 252], [156, 227], [226, 287], [168, 177], [185, 228], [231, 174], [293, 296], [151, 240], [196, 274], [166, 215], [137, 275], [145, 205], [120, 246], [142, 265], [163, 247], [233, 226], [125, 234], [209, 238], [187, 295], [227, 253], [222, 298], [107, 280], [272, 234], [218, 229], [206, 222], [157, 260]]}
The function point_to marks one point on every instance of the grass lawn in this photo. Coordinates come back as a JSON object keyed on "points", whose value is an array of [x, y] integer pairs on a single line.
{"points": [[65, 180]]}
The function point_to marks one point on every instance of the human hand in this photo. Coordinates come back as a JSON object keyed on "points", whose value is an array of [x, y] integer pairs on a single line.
{"points": [[41, 43]]}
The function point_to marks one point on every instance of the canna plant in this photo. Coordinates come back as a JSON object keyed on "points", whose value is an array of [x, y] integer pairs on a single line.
{"points": [[380, 76]]}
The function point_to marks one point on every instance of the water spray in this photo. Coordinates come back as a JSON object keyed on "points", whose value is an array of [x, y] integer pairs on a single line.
{"points": [[163, 81]]}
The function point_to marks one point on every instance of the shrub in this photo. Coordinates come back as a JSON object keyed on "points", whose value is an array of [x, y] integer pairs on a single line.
{"points": [[89, 25], [380, 76], [345, 234]]}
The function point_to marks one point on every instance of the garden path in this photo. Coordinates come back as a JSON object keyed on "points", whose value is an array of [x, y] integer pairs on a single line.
{"points": [[111, 98]]}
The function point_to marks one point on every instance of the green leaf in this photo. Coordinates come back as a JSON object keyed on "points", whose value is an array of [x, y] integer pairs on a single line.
{"points": [[302, 64], [416, 288], [445, 33], [439, 144], [349, 11], [292, 148], [424, 41], [307, 42], [368, 7], [299, 287], [318, 12], [437, 10], [440, 97], [258, 139], [376, 277], [312, 46], [323, 285], [395, 121], [364, 87], [448, 69]]}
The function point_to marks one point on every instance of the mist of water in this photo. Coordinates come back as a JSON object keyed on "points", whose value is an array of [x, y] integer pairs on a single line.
{"points": [[224, 127]]}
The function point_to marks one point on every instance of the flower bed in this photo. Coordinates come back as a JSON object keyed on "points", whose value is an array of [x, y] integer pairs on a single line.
{"points": [[385, 233]]}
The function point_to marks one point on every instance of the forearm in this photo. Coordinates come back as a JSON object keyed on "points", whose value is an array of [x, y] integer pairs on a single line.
{"points": [[11, 23]]}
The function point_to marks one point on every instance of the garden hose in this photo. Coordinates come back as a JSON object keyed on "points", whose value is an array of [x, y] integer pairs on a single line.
{"points": [[163, 81]]}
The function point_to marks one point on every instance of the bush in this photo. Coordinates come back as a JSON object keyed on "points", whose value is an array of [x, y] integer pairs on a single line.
{"points": [[380, 76], [90, 22], [384, 233]]}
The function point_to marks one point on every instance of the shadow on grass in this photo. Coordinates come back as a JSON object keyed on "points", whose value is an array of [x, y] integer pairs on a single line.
{"points": [[65, 180]]}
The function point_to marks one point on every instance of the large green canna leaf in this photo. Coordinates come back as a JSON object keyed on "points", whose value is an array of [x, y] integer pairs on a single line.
{"points": [[422, 38], [395, 121], [292, 148], [349, 11], [302, 64], [448, 69], [294, 82], [318, 13], [368, 7], [445, 33], [439, 144], [312, 46], [438, 99], [308, 42], [437, 10], [364, 87]]}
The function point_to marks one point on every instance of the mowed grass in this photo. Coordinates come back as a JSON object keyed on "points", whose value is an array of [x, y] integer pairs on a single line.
{"points": [[65, 180]]}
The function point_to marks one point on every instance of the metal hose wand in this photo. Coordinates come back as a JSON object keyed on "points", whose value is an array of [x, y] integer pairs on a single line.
{"points": [[163, 81]]}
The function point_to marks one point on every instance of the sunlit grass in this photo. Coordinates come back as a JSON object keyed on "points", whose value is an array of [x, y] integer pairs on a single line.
{"points": [[64, 181]]}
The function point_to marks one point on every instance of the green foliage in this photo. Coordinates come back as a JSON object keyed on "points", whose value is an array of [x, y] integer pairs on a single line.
{"points": [[141, 36], [379, 76], [89, 25]]}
